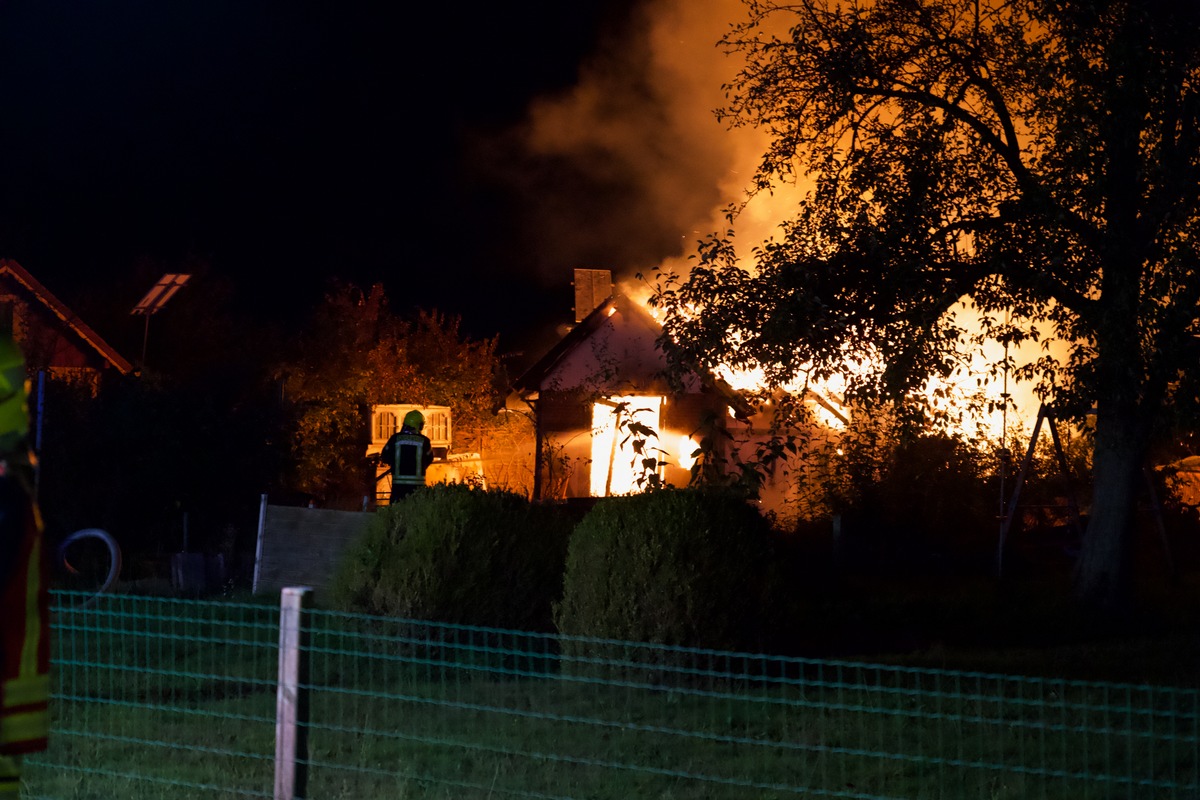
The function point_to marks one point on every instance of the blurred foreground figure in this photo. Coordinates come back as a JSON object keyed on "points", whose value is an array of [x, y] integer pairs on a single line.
{"points": [[24, 600]]}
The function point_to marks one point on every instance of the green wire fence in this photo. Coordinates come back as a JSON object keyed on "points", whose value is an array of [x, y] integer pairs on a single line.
{"points": [[158, 698], [172, 698]]}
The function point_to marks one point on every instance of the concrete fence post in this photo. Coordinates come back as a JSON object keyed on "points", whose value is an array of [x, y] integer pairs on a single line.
{"points": [[291, 699]]}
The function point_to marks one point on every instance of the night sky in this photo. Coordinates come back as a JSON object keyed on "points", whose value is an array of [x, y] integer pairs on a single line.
{"points": [[282, 144]]}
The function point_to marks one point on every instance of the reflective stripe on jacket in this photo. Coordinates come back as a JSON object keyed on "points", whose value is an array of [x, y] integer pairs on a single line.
{"points": [[409, 459]]}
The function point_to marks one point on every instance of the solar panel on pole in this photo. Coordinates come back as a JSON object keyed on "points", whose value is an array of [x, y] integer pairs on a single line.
{"points": [[155, 299]]}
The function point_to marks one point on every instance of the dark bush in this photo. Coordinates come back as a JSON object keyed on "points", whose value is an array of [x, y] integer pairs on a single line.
{"points": [[925, 503], [451, 553], [675, 567]]}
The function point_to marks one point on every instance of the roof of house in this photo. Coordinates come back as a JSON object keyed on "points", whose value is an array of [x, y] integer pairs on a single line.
{"points": [[533, 379], [36, 290]]}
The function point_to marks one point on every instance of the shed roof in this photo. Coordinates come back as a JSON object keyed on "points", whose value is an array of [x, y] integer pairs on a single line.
{"points": [[46, 298]]}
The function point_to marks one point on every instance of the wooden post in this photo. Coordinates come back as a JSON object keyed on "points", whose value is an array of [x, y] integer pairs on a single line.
{"points": [[1156, 509], [1046, 413], [291, 699], [1011, 511]]}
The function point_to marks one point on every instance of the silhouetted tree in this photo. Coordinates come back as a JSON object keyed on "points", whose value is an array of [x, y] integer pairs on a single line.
{"points": [[1041, 158], [358, 353]]}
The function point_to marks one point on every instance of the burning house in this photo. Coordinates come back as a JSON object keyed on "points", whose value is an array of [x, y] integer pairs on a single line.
{"points": [[608, 421]]}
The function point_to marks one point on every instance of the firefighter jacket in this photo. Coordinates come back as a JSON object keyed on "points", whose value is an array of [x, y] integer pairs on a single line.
{"points": [[24, 618], [409, 454], [14, 408]]}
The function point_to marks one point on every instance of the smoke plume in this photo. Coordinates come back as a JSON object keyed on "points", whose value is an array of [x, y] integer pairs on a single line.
{"points": [[630, 167]]}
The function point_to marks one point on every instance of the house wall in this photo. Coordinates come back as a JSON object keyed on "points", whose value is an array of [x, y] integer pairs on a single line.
{"points": [[618, 356], [692, 413], [614, 353], [616, 359], [565, 419]]}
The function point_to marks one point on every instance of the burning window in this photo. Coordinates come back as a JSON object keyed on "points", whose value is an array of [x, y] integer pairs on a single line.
{"points": [[616, 466]]}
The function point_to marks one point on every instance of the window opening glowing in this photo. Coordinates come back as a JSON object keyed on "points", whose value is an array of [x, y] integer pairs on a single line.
{"points": [[616, 466]]}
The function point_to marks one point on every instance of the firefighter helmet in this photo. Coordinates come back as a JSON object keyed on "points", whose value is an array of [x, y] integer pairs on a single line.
{"points": [[414, 419]]}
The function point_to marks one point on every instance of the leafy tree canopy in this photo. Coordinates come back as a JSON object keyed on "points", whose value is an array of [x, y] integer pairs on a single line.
{"points": [[357, 353], [1038, 157]]}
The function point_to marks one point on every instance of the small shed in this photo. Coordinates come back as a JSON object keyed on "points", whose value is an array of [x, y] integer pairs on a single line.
{"points": [[50, 334]]}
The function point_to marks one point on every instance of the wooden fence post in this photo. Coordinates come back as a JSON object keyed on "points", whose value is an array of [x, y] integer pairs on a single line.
{"points": [[291, 699]]}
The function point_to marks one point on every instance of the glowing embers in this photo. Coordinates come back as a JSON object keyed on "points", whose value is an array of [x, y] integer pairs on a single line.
{"points": [[618, 423]]}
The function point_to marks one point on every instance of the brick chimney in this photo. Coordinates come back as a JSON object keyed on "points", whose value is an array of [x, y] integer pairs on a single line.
{"points": [[592, 287]]}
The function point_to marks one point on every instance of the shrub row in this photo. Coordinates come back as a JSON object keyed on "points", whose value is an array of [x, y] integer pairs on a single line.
{"points": [[452, 553], [678, 566]]}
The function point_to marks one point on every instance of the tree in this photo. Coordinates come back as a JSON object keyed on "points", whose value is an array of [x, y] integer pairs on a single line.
{"points": [[357, 353], [458, 372], [1039, 157]]}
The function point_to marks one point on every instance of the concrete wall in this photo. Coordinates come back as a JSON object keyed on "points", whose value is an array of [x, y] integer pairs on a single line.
{"points": [[302, 546]]}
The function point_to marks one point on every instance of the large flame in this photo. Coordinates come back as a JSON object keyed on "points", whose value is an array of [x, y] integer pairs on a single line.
{"points": [[980, 400], [616, 463]]}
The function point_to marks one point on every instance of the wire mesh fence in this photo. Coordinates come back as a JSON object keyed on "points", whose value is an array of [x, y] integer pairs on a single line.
{"points": [[165, 693], [157, 697]]}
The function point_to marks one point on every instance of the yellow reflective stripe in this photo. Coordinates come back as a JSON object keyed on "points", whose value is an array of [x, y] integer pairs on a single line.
{"points": [[26, 691], [10, 776], [33, 616], [25, 727]]}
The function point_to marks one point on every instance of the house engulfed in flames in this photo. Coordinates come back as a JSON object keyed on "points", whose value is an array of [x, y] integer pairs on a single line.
{"points": [[601, 393]]}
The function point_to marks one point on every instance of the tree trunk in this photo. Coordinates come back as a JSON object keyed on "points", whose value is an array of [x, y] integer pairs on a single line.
{"points": [[1104, 575]]}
